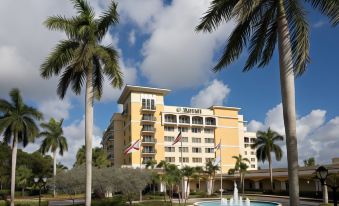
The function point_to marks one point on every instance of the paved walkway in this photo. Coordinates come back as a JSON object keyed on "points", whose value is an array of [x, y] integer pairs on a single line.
{"points": [[65, 202]]}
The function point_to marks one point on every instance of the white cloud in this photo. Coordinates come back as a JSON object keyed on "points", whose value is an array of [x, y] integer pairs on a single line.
{"points": [[55, 108], [319, 24], [215, 93], [131, 37], [313, 132], [175, 55], [142, 13]]}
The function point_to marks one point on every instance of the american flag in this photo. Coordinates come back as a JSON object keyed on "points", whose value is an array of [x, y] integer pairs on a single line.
{"points": [[179, 137]]}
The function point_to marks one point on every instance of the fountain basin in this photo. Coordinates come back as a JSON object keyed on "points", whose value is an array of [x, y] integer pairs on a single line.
{"points": [[253, 203]]}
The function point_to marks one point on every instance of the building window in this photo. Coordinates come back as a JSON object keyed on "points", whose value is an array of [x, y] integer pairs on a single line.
{"points": [[197, 120], [169, 138], [170, 159], [196, 130], [252, 166], [146, 159], [148, 149], [148, 104], [196, 150], [184, 139], [252, 159], [185, 159], [209, 150], [184, 119], [210, 121], [196, 140], [208, 130], [197, 160], [148, 117], [209, 160], [147, 127], [252, 140], [184, 149], [170, 118], [169, 129], [209, 140], [245, 152], [169, 149], [183, 129], [247, 145], [246, 139]]}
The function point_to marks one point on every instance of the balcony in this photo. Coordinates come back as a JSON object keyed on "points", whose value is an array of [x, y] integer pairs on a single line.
{"points": [[148, 141], [151, 119], [149, 151], [148, 130], [148, 108]]}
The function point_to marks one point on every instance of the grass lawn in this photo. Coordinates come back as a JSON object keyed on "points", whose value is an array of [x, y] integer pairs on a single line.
{"points": [[25, 203]]}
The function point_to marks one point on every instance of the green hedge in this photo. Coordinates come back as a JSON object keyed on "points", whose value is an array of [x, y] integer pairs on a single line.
{"points": [[24, 203]]}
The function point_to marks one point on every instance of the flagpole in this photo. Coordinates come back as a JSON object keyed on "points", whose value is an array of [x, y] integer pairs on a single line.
{"points": [[140, 200], [221, 190], [182, 160]]}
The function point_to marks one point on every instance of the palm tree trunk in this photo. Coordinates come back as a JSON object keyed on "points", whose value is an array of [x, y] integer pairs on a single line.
{"points": [[271, 172], [288, 102], [54, 173], [88, 134], [14, 155], [243, 185]]}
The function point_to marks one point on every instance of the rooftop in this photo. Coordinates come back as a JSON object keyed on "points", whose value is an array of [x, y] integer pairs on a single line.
{"points": [[131, 88]]}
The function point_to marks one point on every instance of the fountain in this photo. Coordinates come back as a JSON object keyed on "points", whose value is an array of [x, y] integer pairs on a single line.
{"points": [[236, 200]]}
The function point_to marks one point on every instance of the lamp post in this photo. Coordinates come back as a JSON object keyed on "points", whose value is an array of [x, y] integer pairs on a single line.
{"points": [[40, 182], [322, 174]]}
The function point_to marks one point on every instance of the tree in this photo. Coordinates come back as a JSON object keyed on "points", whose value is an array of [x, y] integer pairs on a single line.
{"points": [[151, 164], [309, 162], [187, 172], [23, 176], [172, 177], [211, 169], [54, 141], [199, 171], [263, 24], [61, 168], [241, 167], [99, 157], [17, 123], [265, 144], [84, 61]]}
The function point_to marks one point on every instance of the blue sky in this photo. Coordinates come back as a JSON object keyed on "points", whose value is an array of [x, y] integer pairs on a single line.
{"points": [[159, 48]]}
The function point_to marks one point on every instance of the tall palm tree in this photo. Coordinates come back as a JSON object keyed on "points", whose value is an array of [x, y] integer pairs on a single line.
{"points": [[187, 172], [241, 167], [199, 171], [211, 169], [54, 141], [263, 24], [17, 123], [84, 61], [265, 144]]}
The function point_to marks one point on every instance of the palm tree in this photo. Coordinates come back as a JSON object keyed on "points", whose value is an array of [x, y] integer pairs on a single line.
{"points": [[309, 162], [54, 141], [265, 144], [151, 164], [263, 24], [187, 172], [241, 167], [211, 169], [17, 123], [84, 61], [199, 171]]}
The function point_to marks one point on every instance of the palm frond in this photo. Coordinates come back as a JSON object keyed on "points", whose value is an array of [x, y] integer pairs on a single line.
{"points": [[269, 45], [64, 81], [329, 8], [219, 11], [110, 56], [299, 31], [109, 17], [61, 56], [97, 78], [83, 8], [61, 23]]}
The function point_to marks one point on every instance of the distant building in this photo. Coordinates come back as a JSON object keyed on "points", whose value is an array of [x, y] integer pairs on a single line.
{"points": [[146, 117]]}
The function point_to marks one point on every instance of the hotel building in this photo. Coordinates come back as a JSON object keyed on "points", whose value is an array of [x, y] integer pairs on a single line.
{"points": [[146, 117]]}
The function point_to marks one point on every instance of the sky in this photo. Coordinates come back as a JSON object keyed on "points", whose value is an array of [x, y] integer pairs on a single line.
{"points": [[158, 47]]}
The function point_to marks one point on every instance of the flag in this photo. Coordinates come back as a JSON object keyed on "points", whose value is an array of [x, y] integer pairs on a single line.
{"points": [[216, 161], [179, 137], [217, 146], [135, 146]]}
